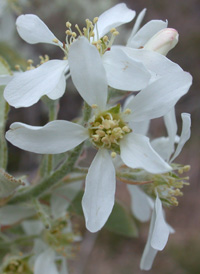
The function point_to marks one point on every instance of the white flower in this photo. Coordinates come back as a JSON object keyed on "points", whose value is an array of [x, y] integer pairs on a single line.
{"points": [[159, 229], [108, 129], [158, 235], [49, 79]]}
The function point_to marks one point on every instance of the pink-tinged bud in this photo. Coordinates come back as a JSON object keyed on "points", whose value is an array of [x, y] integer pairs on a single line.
{"points": [[163, 41]]}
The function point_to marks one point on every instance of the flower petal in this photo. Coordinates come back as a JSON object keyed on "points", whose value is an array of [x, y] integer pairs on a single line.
{"points": [[87, 72], [145, 33], [112, 18], [140, 127], [171, 125], [185, 134], [123, 72], [45, 263], [158, 236], [161, 231], [59, 90], [55, 137], [140, 203], [159, 97], [157, 64], [149, 253], [5, 79], [11, 214], [62, 197], [161, 146], [33, 30], [98, 199], [137, 24], [33, 84], [32, 227], [136, 152], [64, 268]]}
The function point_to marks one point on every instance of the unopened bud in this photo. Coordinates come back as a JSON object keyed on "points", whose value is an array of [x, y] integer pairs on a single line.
{"points": [[163, 41]]}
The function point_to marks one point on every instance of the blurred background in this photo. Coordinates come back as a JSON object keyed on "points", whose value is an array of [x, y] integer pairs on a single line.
{"points": [[106, 252]]}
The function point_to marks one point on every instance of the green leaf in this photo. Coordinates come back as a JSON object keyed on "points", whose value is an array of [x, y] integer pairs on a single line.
{"points": [[120, 221], [8, 184]]}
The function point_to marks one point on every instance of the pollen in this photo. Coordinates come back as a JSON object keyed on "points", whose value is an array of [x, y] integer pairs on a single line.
{"points": [[95, 20], [55, 40], [107, 130], [127, 111]]}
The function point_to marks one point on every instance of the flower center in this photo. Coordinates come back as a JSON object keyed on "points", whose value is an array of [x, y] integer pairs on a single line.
{"points": [[17, 267], [107, 130]]}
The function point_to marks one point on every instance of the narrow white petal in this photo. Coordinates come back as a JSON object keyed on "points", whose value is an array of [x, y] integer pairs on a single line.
{"points": [[11, 214], [55, 137], [161, 146], [161, 231], [64, 269], [88, 73], [112, 18], [159, 97], [123, 72], [62, 197], [33, 30], [149, 253], [136, 152], [99, 196], [45, 263], [140, 203], [146, 32], [171, 125], [32, 227], [185, 134], [137, 24], [28, 87]]}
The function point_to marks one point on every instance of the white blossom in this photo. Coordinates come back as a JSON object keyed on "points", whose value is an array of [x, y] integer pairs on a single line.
{"points": [[135, 149], [50, 78]]}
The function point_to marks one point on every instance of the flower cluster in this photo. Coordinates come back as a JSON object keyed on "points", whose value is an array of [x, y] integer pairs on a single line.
{"points": [[118, 133]]}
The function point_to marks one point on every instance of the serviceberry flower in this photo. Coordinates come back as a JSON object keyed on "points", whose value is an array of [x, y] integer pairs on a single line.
{"points": [[50, 77], [108, 130]]}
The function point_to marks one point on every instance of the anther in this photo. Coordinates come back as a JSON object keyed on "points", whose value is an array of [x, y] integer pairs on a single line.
{"points": [[112, 30], [105, 38], [115, 33], [55, 40], [30, 61], [68, 32], [126, 129], [95, 20], [17, 67], [113, 154], [94, 106], [74, 34], [68, 24], [127, 111]]}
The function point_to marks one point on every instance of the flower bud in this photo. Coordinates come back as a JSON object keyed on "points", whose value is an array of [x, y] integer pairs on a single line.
{"points": [[163, 41]]}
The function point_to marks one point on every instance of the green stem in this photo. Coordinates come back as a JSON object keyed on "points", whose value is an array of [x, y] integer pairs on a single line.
{"points": [[47, 161], [47, 183]]}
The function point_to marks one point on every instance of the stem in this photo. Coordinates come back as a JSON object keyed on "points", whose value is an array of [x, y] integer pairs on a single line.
{"points": [[44, 185], [47, 161], [41, 188]]}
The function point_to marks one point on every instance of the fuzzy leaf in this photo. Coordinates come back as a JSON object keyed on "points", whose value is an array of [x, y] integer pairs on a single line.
{"points": [[8, 184]]}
